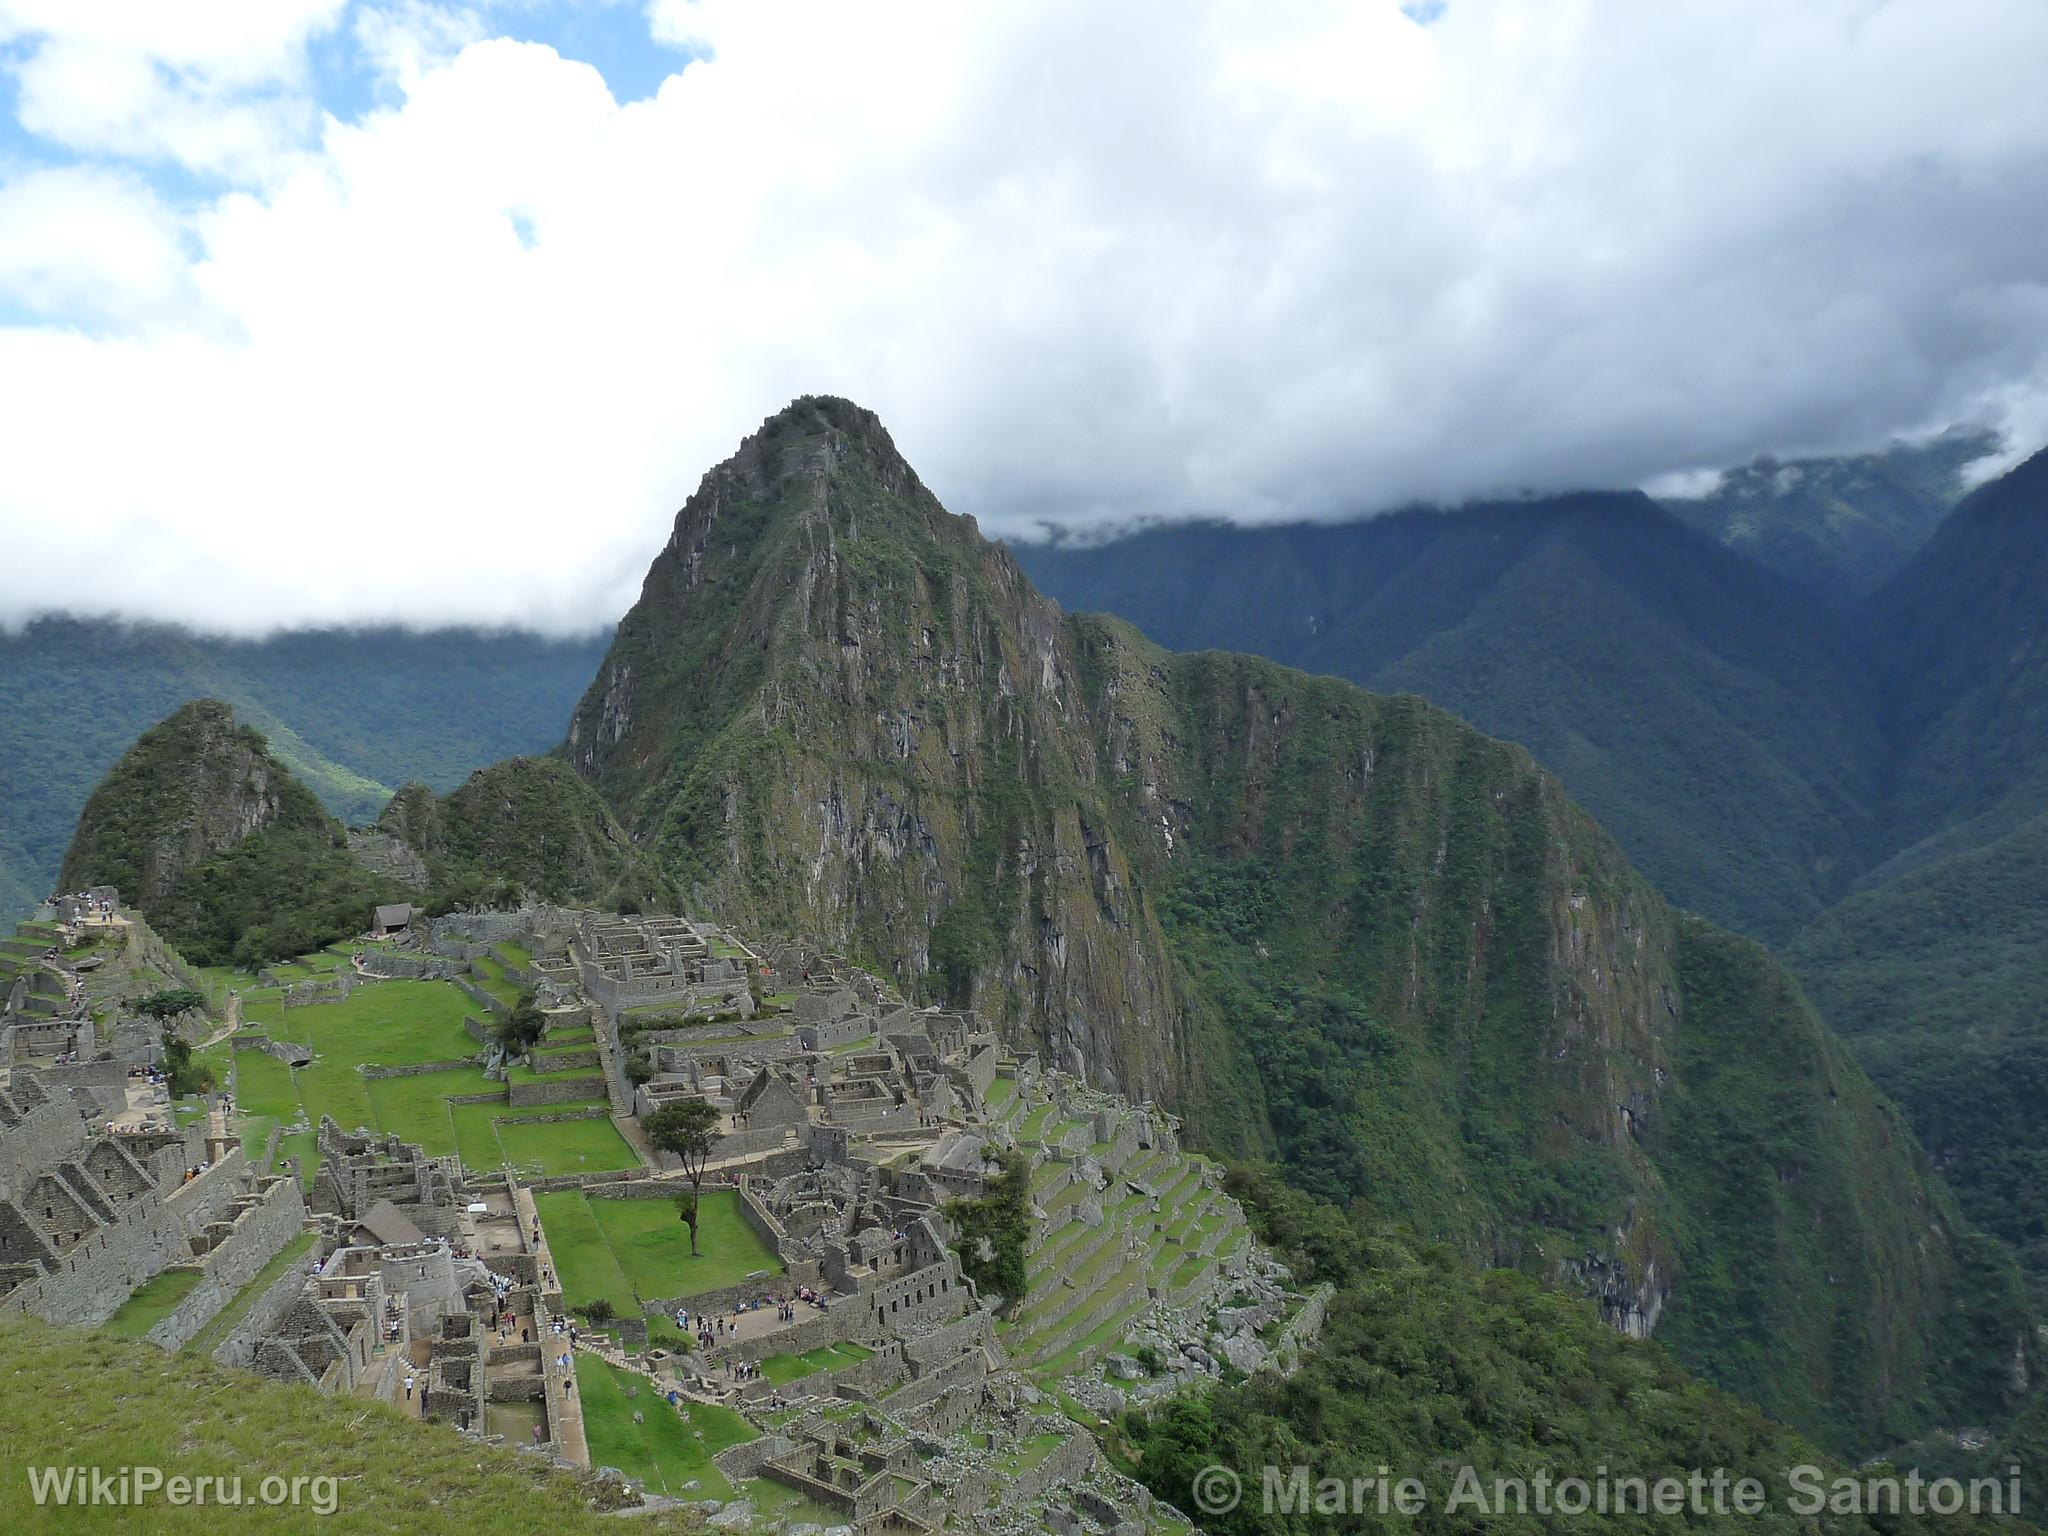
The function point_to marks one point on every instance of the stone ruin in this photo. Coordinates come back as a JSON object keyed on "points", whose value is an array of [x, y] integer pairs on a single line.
{"points": [[849, 1124]]}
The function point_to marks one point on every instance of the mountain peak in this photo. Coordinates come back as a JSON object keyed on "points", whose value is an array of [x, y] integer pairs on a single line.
{"points": [[193, 786]]}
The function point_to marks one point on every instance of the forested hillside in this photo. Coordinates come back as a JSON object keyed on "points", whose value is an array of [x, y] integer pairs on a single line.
{"points": [[1838, 527], [355, 714], [1713, 717]]}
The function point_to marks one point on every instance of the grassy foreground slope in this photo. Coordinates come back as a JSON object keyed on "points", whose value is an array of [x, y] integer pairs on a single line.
{"points": [[76, 1398]]}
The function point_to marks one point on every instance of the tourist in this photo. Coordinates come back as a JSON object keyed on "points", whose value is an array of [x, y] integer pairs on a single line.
{"points": [[408, 1387]]}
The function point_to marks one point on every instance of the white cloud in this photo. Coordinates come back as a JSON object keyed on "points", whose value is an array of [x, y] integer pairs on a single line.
{"points": [[460, 360], [93, 247], [214, 85]]}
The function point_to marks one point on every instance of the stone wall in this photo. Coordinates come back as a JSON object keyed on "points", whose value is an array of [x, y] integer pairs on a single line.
{"points": [[259, 1232], [263, 1318], [480, 997], [146, 1237], [420, 1069], [409, 965], [556, 1088], [42, 1133]]}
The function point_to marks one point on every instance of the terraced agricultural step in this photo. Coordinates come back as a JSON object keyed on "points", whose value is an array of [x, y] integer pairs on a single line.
{"points": [[1113, 1289], [1191, 1277], [1049, 1281], [1078, 1292], [1077, 1357], [1126, 1296]]}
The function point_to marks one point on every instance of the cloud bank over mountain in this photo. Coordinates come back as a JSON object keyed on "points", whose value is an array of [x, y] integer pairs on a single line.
{"points": [[320, 311]]}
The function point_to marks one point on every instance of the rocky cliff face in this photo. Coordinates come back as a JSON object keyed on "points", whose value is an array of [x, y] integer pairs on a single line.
{"points": [[838, 710], [191, 787], [1342, 931]]}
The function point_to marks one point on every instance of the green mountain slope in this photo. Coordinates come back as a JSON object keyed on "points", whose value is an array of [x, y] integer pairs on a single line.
{"points": [[1937, 978], [1839, 527], [1712, 718], [354, 714], [530, 823], [228, 855], [1933, 968], [1961, 645], [1426, 1368], [1760, 756], [1343, 930]]}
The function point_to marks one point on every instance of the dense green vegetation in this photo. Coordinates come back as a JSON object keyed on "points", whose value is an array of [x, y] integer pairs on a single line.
{"points": [[1427, 1367], [230, 857], [1937, 981], [236, 862], [353, 713], [994, 1228], [527, 825], [1714, 719], [1867, 786]]}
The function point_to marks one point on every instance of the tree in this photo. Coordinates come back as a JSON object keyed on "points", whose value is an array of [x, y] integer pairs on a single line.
{"points": [[170, 1002], [687, 1129], [184, 1075], [520, 1030], [995, 1226]]}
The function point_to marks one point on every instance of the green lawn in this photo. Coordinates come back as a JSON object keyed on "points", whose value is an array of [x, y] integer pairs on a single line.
{"points": [[490, 975], [653, 1246], [393, 1023], [400, 1023], [583, 1259], [783, 1369], [1000, 1090], [263, 1086], [633, 1251], [564, 1146], [154, 1300], [669, 1451], [417, 1107]]}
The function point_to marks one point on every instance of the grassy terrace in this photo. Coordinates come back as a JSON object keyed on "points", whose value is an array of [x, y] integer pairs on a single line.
{"points": [[783, 1369], [154, 1300], [670, 1451], [133, 1405], [634, 1251], [293, 1253], [410, 1023], [490, 975]]}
